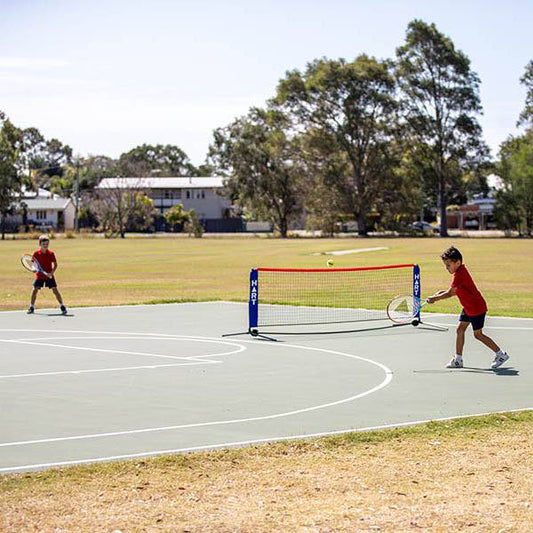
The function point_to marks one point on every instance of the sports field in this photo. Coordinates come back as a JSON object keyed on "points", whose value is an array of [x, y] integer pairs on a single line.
{"points": [[96, 272], [471, 474]]}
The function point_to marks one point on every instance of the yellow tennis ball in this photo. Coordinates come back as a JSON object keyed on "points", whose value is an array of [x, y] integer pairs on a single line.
{"points": [[329, 262]]}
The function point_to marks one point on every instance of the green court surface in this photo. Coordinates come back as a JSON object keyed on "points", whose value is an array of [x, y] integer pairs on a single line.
{"points": [[122, 382]]}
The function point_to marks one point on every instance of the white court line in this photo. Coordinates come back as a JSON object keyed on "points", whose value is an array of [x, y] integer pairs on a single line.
{"points": [[128, 306], [87, 349], [140, 336], [95, 370], [388, 378], [517, 328], [122, 352], [225, 302], [189, 360], [248, 442]]}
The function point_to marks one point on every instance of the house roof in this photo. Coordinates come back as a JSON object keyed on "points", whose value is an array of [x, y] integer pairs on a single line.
{"points": [[40, 193], [162, 183], [47, 203]]}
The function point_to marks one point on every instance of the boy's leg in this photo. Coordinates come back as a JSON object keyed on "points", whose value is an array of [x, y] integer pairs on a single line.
{"points": [[60, 300], [499, 355], [486, 340], [32, 299], [34, 294], [57, 295], [457, 359], [460, 338]]}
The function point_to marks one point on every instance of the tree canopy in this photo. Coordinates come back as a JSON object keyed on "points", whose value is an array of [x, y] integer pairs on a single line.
{"points": [[440, 102]]}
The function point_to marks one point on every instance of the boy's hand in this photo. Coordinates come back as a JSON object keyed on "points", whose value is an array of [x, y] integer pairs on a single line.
{"points": [[50, 276], [431, 300]]}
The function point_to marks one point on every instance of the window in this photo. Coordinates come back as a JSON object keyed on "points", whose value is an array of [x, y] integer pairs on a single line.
{"points": [[188, 195], [203, 194], [177, 194], [41, 215], [168, 195]]}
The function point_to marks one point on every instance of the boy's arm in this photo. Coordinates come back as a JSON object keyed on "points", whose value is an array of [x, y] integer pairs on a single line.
{"points": [[54, 267], [442, 295]]}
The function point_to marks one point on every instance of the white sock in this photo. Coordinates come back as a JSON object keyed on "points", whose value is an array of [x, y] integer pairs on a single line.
{"points": [[458, 357], [500, 352]]}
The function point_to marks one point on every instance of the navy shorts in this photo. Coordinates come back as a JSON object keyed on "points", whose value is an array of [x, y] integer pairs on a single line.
{"points": [[40, 283], [477, 321]]}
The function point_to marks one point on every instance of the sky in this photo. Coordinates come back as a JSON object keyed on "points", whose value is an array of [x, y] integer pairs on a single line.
{"points": [[104, 76]]}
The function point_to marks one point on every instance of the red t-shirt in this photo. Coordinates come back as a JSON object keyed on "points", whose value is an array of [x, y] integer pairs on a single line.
{"points": [[471, 299], [45, 260]]}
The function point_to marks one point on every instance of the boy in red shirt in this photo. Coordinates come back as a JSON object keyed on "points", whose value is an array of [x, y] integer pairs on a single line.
{"points": [[47, 260], [474, 308]]}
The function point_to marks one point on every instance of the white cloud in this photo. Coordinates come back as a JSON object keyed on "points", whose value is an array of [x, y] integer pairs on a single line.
{"points": [[31, 63]]}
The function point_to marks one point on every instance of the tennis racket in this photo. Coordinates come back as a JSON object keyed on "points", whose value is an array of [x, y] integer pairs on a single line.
{"points": [[404, 310], [30, 263]]}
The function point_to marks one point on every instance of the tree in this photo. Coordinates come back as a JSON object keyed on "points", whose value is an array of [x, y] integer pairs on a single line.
{"points": [[10, 182], [526, 116], [161, 160], [515, 201], [349, 107], [121, 207], [176, 216], [440, 99], [47, 159], [193, 225], [262, 163]]}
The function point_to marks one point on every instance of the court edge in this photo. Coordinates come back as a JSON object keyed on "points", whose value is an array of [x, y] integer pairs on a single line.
{"points": [[213, 302], [242, 444]]}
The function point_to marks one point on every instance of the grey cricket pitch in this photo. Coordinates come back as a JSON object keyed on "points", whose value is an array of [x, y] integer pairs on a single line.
{"points": [[122, 382]]}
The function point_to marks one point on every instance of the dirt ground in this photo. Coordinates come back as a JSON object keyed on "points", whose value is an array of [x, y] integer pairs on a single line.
{"points": [[472, 475]]}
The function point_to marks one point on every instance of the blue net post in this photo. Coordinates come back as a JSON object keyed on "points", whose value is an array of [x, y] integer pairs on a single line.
{"points": [[253, 302], [416, 292]]}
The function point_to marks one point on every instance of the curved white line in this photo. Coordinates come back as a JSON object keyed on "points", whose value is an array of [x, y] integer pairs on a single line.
{"points": [[384, 383], [248, 442]]}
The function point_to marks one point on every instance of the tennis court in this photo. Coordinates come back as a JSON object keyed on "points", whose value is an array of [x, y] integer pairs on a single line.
{"points": [[121, 382]]}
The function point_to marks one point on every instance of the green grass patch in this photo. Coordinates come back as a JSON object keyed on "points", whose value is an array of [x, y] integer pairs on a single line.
{"points": [[94, 272]]}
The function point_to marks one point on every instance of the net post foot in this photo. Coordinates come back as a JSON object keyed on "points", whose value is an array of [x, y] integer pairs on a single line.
{"points": [[255, 333], [435, 327]]}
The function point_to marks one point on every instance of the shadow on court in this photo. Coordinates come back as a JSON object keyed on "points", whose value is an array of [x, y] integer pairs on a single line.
{"points": [[505, 371]]}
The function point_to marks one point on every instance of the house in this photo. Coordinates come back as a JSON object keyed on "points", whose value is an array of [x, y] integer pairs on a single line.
{"points": [[476, 215], [203, 194], [45, 210]]}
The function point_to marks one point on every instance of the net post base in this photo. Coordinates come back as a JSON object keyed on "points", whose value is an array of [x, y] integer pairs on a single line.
{"points": [[429, 325], [255, 333]]}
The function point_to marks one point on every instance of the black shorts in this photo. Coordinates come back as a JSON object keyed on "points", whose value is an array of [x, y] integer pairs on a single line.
{"points": [[40, 283], [477, 321]]}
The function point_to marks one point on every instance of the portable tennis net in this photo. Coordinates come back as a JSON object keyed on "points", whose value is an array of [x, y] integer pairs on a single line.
{"points": [[285, 298]]}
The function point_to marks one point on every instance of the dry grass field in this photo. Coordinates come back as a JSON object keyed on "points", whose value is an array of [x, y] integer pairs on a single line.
{"points": [[144, 270], [469, 475]]}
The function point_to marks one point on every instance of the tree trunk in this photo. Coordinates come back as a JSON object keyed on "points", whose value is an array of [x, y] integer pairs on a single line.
{"points": [[361, 224], [442, 206], [283, 229]]}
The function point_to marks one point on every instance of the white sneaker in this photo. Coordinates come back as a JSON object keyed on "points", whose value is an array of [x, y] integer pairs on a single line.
{"points": [[455, 363], [499, 360]]}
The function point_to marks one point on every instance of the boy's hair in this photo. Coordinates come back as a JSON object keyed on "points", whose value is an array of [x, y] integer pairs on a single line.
{"points": [[43, 238], [452, 253]]}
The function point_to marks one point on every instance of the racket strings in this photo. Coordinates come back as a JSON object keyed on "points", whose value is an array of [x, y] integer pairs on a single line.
{"points": [[29, 263], [402, 308]]}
